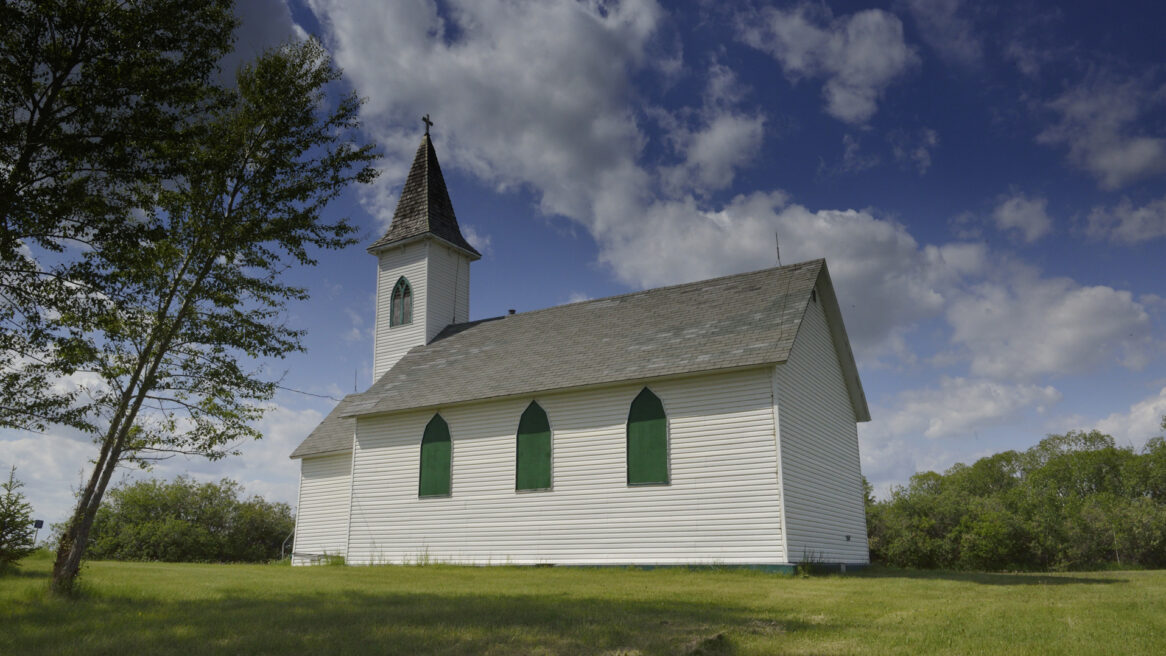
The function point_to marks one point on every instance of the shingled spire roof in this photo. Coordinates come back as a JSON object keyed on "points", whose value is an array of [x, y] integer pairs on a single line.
{"points": [[424, 207]]}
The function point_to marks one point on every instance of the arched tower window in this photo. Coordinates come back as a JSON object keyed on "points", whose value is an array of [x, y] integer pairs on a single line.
{"points": [[436, 457], [647, 440], [533, 467], [401, 305]]}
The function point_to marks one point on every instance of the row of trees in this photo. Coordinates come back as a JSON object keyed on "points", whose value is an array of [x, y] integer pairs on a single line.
{"points": [[149, 207], [1073, 501]]}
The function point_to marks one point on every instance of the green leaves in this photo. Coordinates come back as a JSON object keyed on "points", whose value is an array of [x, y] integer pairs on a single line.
{"points": [[149, 214], [93, 96], [1073, 501], [16, 529], [182, 520]]}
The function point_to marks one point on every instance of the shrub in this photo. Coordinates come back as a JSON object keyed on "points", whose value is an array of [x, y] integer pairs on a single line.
{"points": [[182, 520]]}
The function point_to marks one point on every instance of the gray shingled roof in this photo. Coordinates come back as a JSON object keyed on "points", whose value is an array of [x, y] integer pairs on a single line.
{"points": [[424, 207], [332, 435], [736, 321]]}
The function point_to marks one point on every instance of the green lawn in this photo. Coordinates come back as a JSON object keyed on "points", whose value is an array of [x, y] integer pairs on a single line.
{"points": [[154, 608]]}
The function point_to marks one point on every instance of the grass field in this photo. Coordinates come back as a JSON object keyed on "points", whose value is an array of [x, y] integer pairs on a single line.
{"points": [[154, 608]]}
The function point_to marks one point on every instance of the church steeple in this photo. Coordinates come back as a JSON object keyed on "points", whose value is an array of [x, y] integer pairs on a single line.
{"points": [[424, 207], [423, 265]]}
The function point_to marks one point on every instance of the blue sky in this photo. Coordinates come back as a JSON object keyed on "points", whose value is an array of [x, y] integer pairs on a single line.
{"points": [[987, 182]]}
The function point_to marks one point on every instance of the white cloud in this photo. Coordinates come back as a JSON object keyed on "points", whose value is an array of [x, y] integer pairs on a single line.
{"points": [[263, 24], [52, 468], [532, 94], [1142, 421], [961, 406], [1026, 216], [945, 27], [914, 149], [859, 55], [1099, 123], [1127, 224], [714, 140], [1020, 326], [853, 160], [539, 98], [479, 240], [886, 280], [713, 153]]}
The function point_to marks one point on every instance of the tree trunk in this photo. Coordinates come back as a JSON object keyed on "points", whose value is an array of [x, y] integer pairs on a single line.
{"points": [[75, 538]]}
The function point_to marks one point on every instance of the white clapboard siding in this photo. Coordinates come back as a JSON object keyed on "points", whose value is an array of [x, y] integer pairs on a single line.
{"points": [[722, 505], [322, 516], [391, 343], [821, 470], [448, 289]]}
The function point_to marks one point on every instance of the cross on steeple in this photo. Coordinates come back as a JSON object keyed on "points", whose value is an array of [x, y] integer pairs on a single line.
{"points": [[428, 123]]}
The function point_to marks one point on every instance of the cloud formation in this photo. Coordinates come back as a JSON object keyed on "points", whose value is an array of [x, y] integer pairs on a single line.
{"points": [[945, 26], [914, 148], [1024, 216], [559, 120], [858, 55], [961, 406], [1099, 124], [1020, 325], [1126, 224], [1142, 421], [714, 141]]}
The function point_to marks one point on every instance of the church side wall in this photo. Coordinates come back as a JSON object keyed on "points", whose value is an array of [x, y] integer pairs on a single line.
{"points": [[322, 516], [821, 470], [448, 288], [390, 344], [721, 505]]}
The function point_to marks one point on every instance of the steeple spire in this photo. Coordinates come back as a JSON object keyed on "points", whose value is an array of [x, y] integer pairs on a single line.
{"points": [[424, 208]]}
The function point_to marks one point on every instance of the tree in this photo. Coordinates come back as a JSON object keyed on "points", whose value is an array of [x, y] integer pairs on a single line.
{"points": [[182, 520], [1072, 501], [185, 310], [16, 531], [93, 96]]}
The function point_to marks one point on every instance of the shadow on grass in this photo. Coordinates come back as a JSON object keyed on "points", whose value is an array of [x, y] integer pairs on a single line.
{"points": [[390, 623], [985, 578], [23, 573]]}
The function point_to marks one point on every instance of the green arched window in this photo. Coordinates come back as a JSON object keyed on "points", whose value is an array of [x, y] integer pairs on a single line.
{"points": [[533, 470], [647, 440], [401, 304], [436, 456]]}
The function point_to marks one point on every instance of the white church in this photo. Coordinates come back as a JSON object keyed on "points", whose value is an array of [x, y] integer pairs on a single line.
{"points": [[709, 423]]}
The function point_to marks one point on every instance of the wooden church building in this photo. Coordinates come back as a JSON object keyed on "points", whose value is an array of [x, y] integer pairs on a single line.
{"points": [[706, 423]]}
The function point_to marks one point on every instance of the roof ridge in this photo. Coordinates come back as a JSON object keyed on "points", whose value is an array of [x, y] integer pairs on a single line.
{"points": [[648, 291]]}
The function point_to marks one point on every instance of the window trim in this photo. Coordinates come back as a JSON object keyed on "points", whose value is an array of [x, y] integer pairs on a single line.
{"points": [[406, 303], [551, 435], [667, 443]]}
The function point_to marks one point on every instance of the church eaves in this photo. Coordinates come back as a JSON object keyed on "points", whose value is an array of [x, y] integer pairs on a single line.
{"points": [[424, 208]]}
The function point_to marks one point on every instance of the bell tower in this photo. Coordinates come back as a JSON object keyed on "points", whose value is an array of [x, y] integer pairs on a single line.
{"points": [[423, 264]]}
